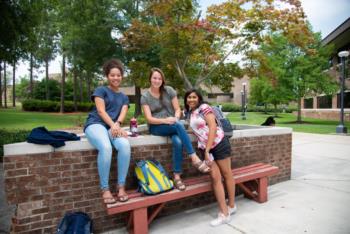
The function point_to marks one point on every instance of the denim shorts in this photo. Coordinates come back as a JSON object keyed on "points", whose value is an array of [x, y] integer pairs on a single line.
{"points": [[221, 150]]}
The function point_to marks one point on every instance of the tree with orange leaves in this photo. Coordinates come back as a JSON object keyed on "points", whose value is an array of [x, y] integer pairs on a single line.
{"points": [[193, 47]]}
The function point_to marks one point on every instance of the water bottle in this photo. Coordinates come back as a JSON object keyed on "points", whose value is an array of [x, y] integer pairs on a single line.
{"points": [[133, 127]]}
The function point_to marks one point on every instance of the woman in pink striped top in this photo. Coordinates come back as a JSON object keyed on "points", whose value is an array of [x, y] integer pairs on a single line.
{"points": [[216, 149]]}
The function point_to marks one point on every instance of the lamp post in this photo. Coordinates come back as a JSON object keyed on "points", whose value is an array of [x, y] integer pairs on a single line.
{"points": [[341, 127], [243, 95]]}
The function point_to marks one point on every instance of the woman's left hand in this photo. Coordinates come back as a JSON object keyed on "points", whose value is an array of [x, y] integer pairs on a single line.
{"points": [[123, 133]]}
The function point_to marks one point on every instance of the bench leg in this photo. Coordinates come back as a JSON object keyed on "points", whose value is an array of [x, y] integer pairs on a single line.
{"points": [[140, 223], [155, 212], [262, 190]]}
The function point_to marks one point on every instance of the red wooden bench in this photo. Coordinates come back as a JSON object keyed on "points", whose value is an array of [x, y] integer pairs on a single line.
{"points": [[252, 179]]}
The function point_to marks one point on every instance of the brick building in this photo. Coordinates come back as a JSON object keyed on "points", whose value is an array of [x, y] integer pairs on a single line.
{"points": [[327, 107]]}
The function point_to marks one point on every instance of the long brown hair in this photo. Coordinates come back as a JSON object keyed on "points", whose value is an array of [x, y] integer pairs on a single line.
{"points": [[161, 88]]}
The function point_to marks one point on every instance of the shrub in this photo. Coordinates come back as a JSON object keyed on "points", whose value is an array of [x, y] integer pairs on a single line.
{"points": [[53, 106], [230, 107], [85, 106], [11, 136], [271, 109]]}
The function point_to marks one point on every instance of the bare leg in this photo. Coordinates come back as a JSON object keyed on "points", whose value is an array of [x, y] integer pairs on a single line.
{"points": [[218, 188], [194, 158], [177, 176], [225, 169]]}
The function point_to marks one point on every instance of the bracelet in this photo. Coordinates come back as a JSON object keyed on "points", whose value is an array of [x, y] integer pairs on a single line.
{"points": [[120, 123]]}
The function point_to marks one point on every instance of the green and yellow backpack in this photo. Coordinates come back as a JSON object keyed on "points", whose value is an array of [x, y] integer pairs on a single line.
{"points": [[152, 178]]}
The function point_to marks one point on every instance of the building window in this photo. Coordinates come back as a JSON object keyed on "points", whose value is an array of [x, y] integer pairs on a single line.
{"points": [[308, 103], [324, 102], [215, 95], [346, 100]]}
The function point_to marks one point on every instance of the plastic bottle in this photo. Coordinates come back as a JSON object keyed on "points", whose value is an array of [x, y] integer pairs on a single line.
{"points": [[133, 127]]}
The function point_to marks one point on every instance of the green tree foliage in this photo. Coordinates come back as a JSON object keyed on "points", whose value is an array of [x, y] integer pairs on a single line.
{"points": [[17, 22], [39, 91], [47, 40], [291, 72]]}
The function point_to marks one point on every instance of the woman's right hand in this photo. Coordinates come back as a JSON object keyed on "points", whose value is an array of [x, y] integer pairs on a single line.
{"points": [[208, 158], [115, 130], [170, 120]]}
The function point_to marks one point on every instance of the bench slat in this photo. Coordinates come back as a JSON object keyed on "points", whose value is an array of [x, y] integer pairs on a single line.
{"points": [[251, 175], [146, 201]]}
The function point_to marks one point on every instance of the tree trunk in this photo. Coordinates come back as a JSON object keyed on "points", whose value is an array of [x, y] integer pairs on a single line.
{"points": [[1, 85], [31, 77], [63, 82], [137, 101], [5, 87], [299, 110], [88, 83], [183, 76], [47, 90], [75, 90], [14, 84], [81, 88]]}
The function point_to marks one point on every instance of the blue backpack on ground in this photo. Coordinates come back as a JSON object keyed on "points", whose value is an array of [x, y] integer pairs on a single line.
{"points": [[75, 223], [152, 178]]}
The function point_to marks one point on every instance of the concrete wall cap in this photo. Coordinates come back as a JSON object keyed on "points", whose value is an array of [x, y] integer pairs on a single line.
{"points": [[239, 132]]}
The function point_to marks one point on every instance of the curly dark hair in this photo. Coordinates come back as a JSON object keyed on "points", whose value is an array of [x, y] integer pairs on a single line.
{"points": [[112, 63]]}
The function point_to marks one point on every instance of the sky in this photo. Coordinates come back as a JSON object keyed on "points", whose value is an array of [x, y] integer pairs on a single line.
{"points": [[324, 16]]}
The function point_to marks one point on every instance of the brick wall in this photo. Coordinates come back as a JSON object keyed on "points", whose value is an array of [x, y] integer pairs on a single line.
{"points": [[330, 114], [45, 186]]}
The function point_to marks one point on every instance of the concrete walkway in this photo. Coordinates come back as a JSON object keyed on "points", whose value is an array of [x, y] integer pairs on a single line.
{"points": [[316, 199]]}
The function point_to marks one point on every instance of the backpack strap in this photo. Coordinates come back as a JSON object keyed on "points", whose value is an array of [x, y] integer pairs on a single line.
{"points": [[141, 164], [217, 120], [155, 180]]}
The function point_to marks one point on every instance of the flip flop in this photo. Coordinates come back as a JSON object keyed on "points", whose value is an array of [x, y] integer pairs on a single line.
{"points": [[109, 199], [123, 198]]}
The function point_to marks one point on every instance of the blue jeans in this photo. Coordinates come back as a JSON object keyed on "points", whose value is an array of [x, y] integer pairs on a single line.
{"points": [[180, 140], [102, 140]]}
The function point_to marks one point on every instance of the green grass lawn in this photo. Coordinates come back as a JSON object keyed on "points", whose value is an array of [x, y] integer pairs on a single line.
{"points": [[12, 118], [288, 120], [15, 118]]}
